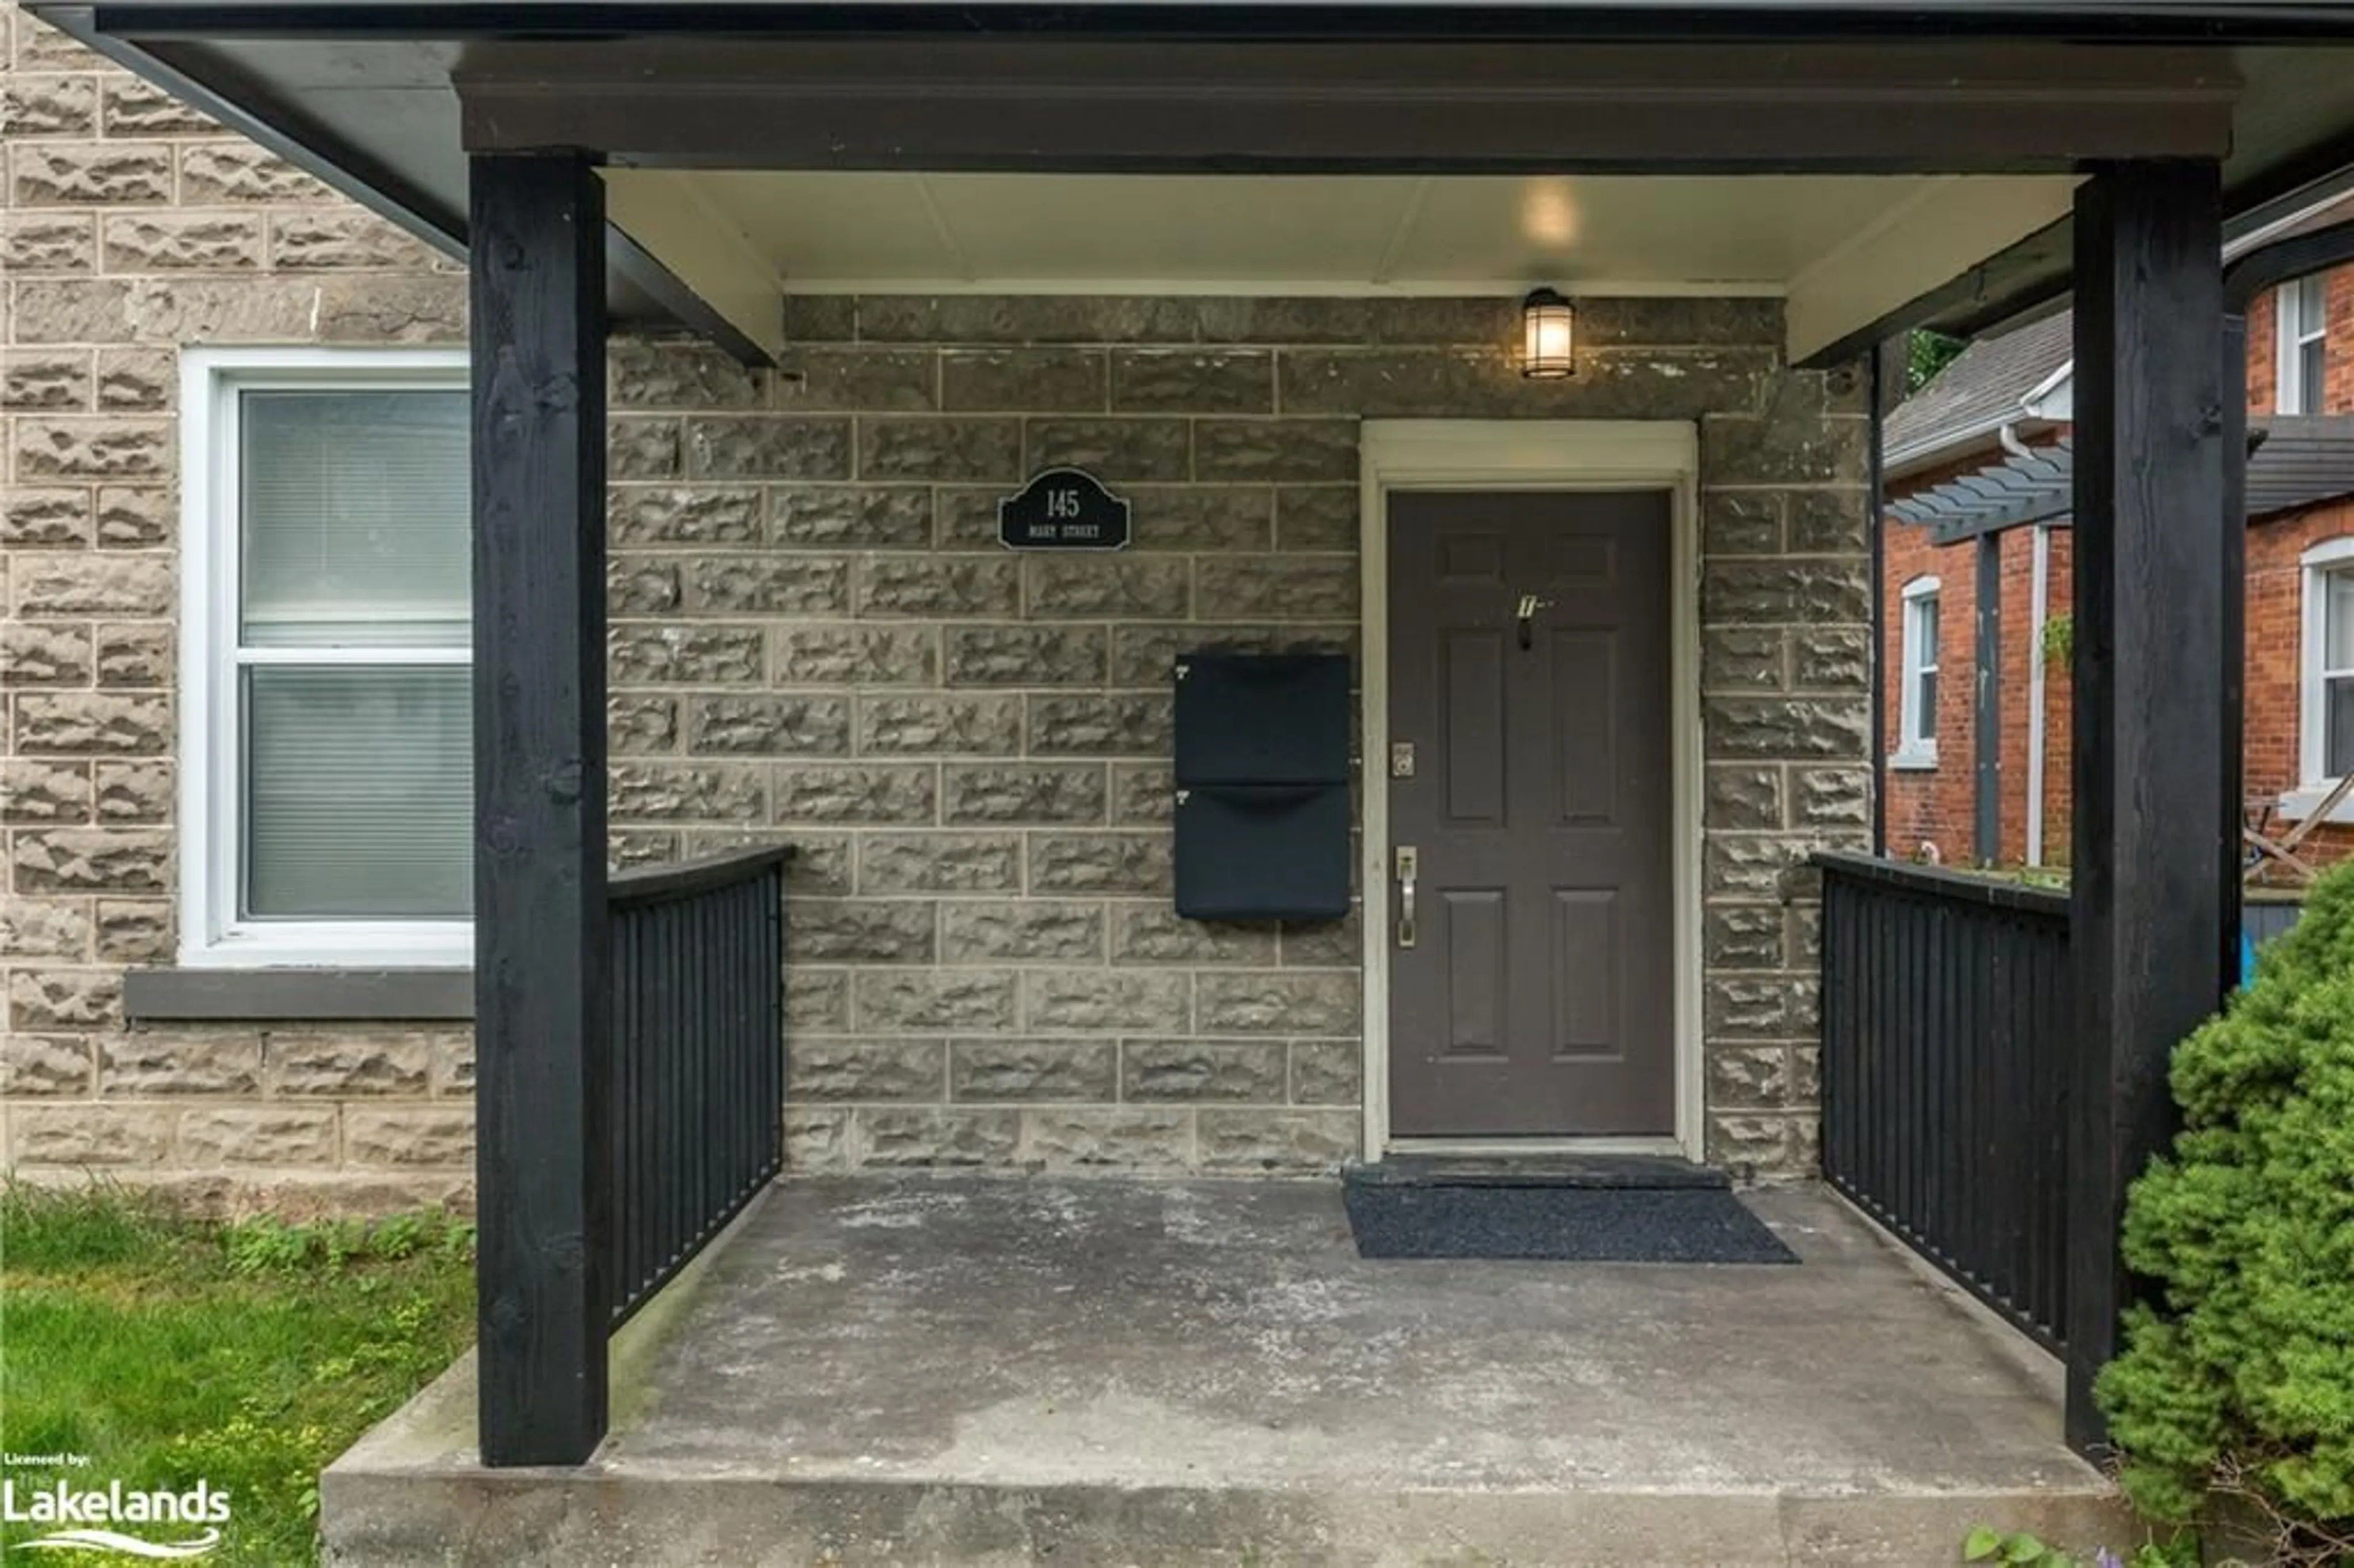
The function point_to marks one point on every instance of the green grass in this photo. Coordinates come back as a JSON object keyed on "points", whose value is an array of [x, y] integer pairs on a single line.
{"points": [[170, 1351]]}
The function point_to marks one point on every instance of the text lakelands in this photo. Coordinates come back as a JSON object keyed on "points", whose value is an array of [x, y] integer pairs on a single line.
{"points": [[65, 1503]]}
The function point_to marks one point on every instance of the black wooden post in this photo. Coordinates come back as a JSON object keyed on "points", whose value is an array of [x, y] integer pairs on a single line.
{"points": [[542, 1019], [2149, 700]]}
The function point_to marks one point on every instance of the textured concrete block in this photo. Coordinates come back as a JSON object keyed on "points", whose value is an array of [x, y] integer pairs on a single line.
{"points": [[1113, 862], [384, 1136], [132, 515], [1751, 1142], [769, 586], [258, 1135], [36, 790], [644, 449], [1292, 1001], [1122, 723], [1248, 1071], [1744, 1006], [1744, 659], [1328, 1073], [678, 373], [1741, 523], [939, 863], [818, 1141], [668, 791], [640, 585], [342, 238], [1192, 381], [132, 930], [138, 380], [348, 1063], [767, 445], [1144, 653], [684, 655], [1832, 796], [34, 242], [1317, 518], [45, 929], [37, 379], [856, 656], [1107, 1000], [163, 1063], [1125, 1138], [1801, 728], [939, 587], [940, 450], [683, 514], [1022, 792], [942, 726], [86, 1135], [1830, 658], [1742, 936], [987, 1070], [1153, 932], [1232, 1138], [1831, 522], [135, 108], [867, 792], [44, 1066], [1219, 518], [1753, 865], [70, 446], [37, 103], [1785, 590], [1743, 796], [860, 931], [34, 517], [896, 1136], [1749, 1076], [144, 791], [1105, 587], [1292, 588], [850, 1067], [1142, 793], [889, 1000], [1301, 451], [865, 379], [816, 1001], [850, 517], [1784, 447], [136, 653], [1019, 380], [1325, 944], [181, 242], [1118, 451], [90, 173], [44, 655], [55, 1000], [91, 860], [768, 726], [234, 170], [1022, 655], [1027, 930], [1020, 318], [640, 723]]}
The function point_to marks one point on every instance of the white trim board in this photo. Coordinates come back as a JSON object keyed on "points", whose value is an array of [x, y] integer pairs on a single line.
{"points": [[1530, 454]]}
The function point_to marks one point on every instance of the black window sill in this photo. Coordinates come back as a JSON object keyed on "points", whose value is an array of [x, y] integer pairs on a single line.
{"points": [[320, 995]]}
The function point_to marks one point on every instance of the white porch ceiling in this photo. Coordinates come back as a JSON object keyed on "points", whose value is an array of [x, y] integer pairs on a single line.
{"points": [[1842, 248]]}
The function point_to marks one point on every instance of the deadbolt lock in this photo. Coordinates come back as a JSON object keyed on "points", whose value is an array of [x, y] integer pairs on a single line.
{"points": [[1401, 759]]}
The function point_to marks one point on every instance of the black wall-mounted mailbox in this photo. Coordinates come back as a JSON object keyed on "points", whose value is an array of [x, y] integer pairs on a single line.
{"points": [[1262, 778]]}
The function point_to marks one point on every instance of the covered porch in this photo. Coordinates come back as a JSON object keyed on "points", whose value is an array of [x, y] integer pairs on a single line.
{"points": [[973, 1370], [991, 1370]]}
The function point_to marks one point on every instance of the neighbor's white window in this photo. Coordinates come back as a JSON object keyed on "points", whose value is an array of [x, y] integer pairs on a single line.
{"points": [[2325, 727], [327, 746], [2304, 345], [1917, 734]]}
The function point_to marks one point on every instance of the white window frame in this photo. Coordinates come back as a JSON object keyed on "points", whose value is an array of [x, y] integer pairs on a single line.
{"points": [[212, 844], [1914, 749], [2314, 781], [2290, 394]]}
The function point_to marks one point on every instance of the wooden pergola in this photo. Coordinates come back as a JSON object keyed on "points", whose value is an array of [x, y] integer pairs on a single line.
{"points": [[2182, 118]]}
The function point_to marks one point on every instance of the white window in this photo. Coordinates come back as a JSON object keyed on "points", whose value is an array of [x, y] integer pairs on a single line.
{"points": [[1916, 732], [327, 751], [2303, 307], [2325, 722]]}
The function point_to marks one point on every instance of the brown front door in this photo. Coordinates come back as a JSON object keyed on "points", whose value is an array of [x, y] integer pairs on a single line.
{"points": [[1536, 996]]}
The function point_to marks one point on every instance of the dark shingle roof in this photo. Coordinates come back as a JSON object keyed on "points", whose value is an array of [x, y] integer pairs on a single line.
{"points": [[1983, 385]]}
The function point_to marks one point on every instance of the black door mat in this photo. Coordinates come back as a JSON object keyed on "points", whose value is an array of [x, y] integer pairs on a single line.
{"points": [[1578, 1223]]}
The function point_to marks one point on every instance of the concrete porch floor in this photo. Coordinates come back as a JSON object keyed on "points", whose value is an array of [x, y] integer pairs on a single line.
{"points": [[1000, 1371]]}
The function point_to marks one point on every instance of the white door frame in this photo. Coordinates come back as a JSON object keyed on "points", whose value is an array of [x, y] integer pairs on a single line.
{"points": [[1528, 454]]}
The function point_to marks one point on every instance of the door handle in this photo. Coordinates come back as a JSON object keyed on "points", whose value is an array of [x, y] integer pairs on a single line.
{"points": [[1408, 865]]}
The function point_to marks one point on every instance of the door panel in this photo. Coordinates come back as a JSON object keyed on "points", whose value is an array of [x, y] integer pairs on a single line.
{"points": [[1538, 997]]}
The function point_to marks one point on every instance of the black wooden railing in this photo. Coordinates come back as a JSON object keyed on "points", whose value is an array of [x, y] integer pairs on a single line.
{"points": [[698, 1057], [1948, 1019]]}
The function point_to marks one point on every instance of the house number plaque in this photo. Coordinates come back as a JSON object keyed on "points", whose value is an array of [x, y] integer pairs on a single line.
{"points": [[1063, 509]]}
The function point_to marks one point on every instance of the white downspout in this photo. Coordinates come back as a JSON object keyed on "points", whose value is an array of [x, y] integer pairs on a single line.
{"points": [[2039, 596], [2039, 602]]}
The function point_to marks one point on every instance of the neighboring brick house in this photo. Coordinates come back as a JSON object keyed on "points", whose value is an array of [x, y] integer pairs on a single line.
{"points": [[2300, 553], [236, 762]]}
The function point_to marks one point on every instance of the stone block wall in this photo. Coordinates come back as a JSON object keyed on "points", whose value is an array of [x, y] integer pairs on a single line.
{"points": [[129, 227], [817, 640]]}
